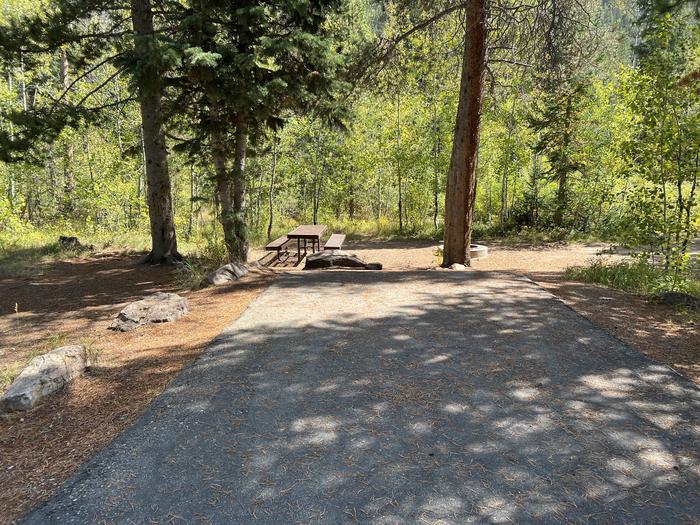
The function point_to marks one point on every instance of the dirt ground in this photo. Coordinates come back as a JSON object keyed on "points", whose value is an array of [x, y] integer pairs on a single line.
{"points": [[74, 301]]}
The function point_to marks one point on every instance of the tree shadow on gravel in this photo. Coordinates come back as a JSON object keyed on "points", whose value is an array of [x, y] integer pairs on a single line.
{"points": [[404, 397]]}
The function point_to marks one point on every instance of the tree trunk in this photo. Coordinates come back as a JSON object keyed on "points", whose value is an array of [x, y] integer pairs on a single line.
{"points": [[230, 185], [503, 211], [118, 121], [141, 177], [318, 181], [562, 176], [436, 168], [272, 186], [398, 158], [88, 154], [258, 202], [461, 177], [535, 210], [193, 194], [562, 199], [11, 188], [240, 248], [224, 189], [318, 175], [436, 139], [68, 181], [351, 199], [160, 205]]}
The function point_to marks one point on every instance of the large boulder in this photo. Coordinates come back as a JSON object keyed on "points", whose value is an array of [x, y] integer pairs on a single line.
{"points": [[44, 375], [227, 273], [158, 308], [678, 299], [337, 259]]}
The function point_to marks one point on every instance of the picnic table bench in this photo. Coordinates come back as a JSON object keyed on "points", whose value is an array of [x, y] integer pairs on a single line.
{"points": [[277, 245], [306, 232], [334, 242]]}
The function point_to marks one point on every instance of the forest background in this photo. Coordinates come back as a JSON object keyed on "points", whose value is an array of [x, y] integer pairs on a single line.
{"points": [[605, 144]]}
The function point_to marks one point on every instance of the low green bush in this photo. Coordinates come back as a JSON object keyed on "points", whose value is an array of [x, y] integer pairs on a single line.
{"points": [[636, 275]]}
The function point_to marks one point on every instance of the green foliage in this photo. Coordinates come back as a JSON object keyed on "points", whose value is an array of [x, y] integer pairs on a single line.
{"points": [[625, 135], [637, 276], [662, 144]]}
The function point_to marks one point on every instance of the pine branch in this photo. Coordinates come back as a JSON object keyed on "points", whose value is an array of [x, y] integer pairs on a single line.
{"points": [[81, 76]]}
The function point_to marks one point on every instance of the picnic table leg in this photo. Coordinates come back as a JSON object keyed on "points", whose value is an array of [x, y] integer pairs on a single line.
{"points": [[298, 251]]}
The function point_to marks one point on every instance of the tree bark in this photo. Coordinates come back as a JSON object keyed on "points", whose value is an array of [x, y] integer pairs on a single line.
{"points": [[351, 199], [436, 163], [535, 210], [68, 180], [461, 177], [11, 188], [230, 185], [159, 194], [398, 157], [239, 192], [562, 175], [272, 186], [224, 189], [190, 218], [562, 199], [232, 193]]}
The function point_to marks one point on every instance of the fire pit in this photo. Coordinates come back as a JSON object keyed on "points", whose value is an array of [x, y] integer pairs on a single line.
{"points": [[476, 251]]}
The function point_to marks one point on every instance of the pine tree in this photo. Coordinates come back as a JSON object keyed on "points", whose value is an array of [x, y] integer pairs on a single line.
{"points": [[244, 70], [99, 37]]}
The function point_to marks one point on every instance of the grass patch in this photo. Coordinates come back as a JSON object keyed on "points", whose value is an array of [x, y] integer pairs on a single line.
{"points": [[382, 229], [30, 257], [526, 236], [636, 276], [8, 374], [28, 251], [92, 352]]}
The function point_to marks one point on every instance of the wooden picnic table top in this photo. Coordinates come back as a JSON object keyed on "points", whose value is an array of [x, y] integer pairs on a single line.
{"points": [[307, 231]]}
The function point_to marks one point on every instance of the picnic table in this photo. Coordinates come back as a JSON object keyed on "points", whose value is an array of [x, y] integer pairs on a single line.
{"points": [[307, 232]]}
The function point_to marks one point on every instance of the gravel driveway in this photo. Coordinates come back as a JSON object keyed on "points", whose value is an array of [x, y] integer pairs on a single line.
{"points": [[404, 397]]}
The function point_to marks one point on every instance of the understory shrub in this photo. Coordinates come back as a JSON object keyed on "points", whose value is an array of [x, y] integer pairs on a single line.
{"points": [[637, 275]]}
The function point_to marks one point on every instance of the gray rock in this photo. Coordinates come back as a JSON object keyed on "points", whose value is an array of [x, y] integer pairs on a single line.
{"points": [[258, 267], [158, 308], [458, 267], [227, 273], [678, 299], [44, 375], [337, 259]]}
